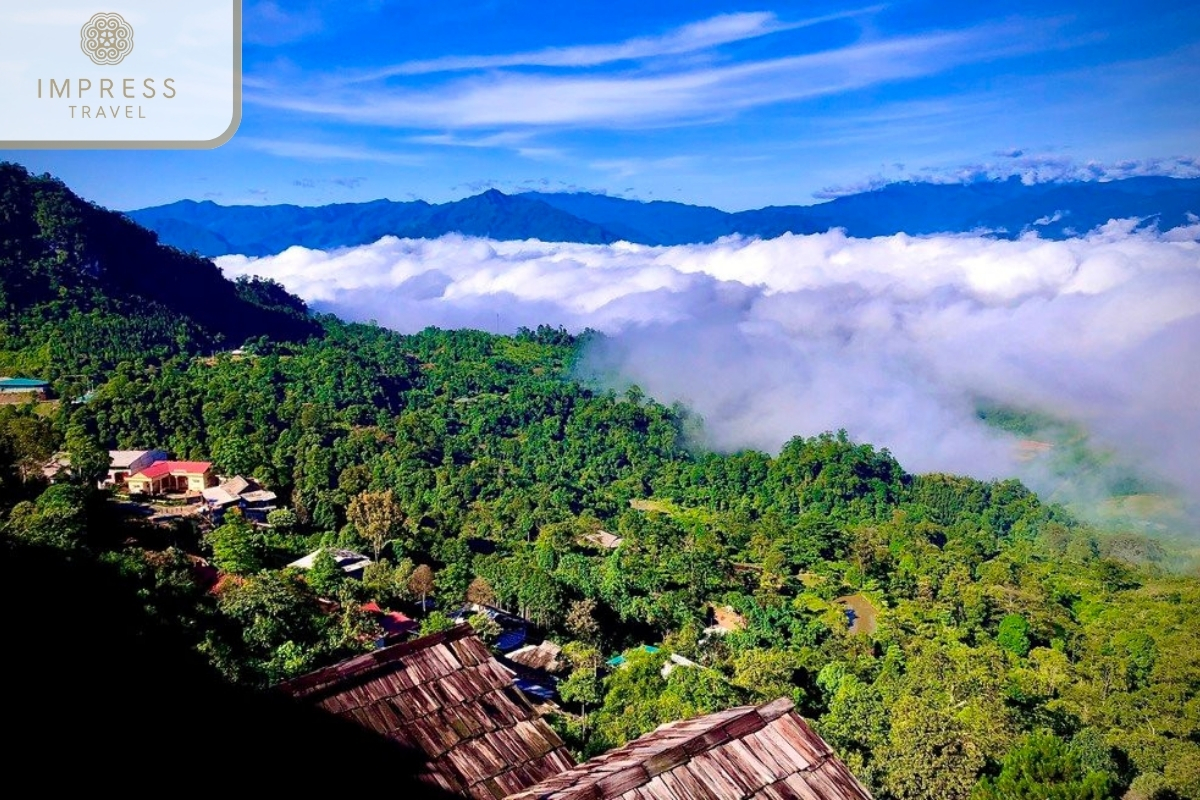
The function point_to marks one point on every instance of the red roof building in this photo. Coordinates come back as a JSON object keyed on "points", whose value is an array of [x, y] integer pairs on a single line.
{"points": [[395, 625], [161, 468], [164, 477]]}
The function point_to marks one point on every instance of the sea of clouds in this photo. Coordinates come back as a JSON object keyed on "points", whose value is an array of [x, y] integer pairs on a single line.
{"points": [[893, 338]]}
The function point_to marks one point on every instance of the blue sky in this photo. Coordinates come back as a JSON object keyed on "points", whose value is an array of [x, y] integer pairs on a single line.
{"points": [[726, 104]]}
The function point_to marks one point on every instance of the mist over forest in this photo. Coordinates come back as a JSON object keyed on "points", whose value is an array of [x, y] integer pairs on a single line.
{"points": [[532, 472], [673, 400], [904, 341]]}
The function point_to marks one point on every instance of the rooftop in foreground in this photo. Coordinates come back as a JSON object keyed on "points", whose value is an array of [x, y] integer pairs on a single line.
{"points": [[761, 753], [444, 695]]}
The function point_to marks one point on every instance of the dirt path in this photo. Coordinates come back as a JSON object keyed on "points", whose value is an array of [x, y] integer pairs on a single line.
{"points": [[860, 613]]}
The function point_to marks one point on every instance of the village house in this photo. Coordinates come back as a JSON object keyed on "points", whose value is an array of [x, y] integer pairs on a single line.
{"points": [[172, 477], [446, 697], [513, 629], [19, 390], [537, 669], [123, 463], [57, 463], [544, 657], [673, 660], [254, 501], [603, 539], [396, 625], [352, 563]]}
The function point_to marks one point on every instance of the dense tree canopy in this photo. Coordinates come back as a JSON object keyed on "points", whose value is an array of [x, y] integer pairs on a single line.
{"points": [[999, 645]]}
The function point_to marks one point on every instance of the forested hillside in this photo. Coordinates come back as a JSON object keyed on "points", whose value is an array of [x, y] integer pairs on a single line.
{"points": [[83, 288], [1000, 648]]}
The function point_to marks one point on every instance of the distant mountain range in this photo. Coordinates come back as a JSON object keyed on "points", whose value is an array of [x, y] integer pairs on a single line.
{"points": [[1000, 208]]}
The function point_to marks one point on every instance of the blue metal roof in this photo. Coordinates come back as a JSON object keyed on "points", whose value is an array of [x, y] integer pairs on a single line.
{"points": [[510, 639], [535, 689], [22, 383]]}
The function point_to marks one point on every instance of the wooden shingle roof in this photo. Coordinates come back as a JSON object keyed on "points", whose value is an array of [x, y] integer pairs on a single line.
{"points": [[236, 485], [765, 753], [444, 695], [546, 657]]}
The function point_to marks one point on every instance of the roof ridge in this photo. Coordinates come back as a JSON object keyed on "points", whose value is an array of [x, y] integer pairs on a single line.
{"points": [[681, 746], [666, 749], [366, 665]]}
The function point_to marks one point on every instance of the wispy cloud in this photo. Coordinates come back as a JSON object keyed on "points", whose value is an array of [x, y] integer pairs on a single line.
{"points": [[351, 182], [642, 98], [1031, 168], [629, 167], [519, 142], [508, 139], [267, 22], [703, 35], [318, 151], [281, 22]]}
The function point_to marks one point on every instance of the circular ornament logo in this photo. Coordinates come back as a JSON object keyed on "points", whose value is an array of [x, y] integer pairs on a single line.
{"points": [[106, 38]]}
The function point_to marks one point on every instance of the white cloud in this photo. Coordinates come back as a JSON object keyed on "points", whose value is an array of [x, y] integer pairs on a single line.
{"points": [[1049, 167], [668, 94], [1031, 169], [633, 166], [322, 151], [705, 34], [267, 23], [892, 338]]}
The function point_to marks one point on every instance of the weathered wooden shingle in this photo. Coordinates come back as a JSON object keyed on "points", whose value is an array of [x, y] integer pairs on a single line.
{"points": [[447, 697], [747, 753], [544, 657]]}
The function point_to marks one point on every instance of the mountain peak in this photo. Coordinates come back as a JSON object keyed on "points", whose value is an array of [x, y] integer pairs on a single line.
{"points": [[1008, 208]]}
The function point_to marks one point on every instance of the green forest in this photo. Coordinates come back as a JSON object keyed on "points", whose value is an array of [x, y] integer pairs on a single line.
{"points": [[1002, 648]]}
